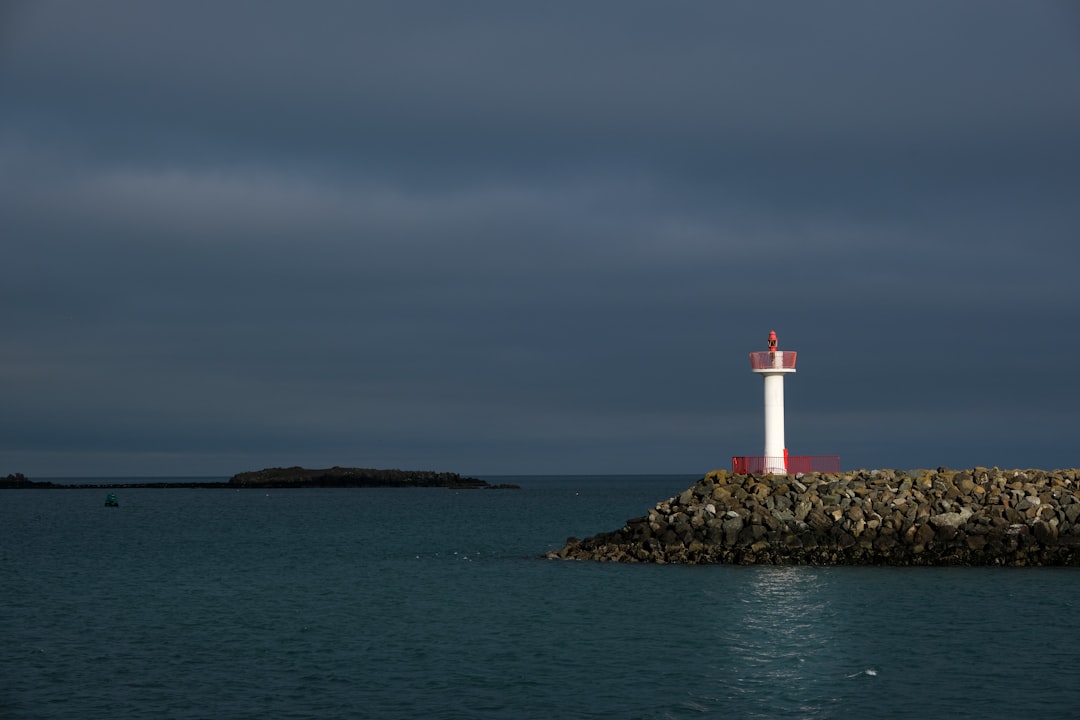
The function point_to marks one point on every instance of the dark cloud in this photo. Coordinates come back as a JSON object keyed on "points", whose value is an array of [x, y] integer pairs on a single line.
{"points": [[499, 238]]}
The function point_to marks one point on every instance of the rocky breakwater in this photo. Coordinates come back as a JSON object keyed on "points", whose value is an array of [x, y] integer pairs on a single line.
{"points": [[981, 516]]}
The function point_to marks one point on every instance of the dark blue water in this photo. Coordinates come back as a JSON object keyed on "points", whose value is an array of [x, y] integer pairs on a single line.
{"points": [[436, 604]]}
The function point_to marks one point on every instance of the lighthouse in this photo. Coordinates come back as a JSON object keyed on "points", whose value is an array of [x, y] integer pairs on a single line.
{"points": [[773, 364]]}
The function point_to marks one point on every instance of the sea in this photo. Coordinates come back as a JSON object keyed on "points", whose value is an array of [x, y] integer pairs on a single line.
{"points": [[438, 603]]}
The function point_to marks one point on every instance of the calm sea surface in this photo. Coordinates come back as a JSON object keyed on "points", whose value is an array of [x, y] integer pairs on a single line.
{"points": [[434, 603]]}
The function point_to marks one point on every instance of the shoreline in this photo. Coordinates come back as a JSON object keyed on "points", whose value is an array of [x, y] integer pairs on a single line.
{"points": [[283, 478]]}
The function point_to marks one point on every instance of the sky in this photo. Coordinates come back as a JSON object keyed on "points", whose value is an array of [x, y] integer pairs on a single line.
{"points": [[536, 238]]}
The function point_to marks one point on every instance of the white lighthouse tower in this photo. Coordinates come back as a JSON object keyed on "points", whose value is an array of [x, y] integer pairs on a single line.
{"points": [[773, 364]]}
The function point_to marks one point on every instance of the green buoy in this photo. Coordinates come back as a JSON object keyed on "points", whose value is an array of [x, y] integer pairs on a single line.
{"points": [[111, 501]]}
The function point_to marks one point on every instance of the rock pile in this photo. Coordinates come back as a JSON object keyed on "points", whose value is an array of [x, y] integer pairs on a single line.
{"points": [[981, 516]]}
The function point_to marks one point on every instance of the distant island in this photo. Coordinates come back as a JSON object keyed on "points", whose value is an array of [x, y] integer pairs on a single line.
{"points": [[290, 477], [338, 477]]}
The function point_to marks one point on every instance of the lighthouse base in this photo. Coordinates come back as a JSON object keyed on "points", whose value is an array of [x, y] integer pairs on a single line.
{"points": [[763, 465]]}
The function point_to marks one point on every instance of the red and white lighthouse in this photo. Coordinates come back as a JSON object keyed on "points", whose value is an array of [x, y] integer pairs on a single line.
{"points": [[773, 364]]}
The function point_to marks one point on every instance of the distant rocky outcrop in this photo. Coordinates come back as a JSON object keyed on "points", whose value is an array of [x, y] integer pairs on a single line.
{"points": [[338, 477], [981, 516], [292, 477], [15, 481]]}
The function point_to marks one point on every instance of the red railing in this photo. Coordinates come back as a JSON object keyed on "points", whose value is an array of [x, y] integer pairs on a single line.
{"points": [[757, 464], [767, 359]]}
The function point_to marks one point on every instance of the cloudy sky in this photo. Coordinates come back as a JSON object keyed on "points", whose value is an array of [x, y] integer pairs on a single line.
{"points": [[508, 237]]}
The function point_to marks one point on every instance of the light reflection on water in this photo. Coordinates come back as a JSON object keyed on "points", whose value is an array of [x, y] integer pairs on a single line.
{"points": [[778, 632]]}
